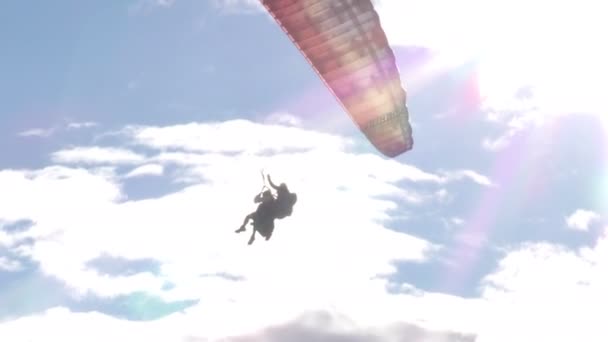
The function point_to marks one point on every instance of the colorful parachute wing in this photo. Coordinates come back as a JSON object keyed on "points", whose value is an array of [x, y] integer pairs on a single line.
{"points": [[345, 44]]}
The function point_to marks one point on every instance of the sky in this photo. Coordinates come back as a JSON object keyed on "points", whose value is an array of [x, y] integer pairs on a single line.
{"points": [[133, 135]]}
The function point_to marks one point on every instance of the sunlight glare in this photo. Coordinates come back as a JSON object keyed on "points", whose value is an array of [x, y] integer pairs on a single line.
{"points": [[555, 49], [563, 65]]}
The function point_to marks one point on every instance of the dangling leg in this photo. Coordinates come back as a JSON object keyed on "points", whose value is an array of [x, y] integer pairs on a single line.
{"points": [[252, 238], [269, 230], [247, 218]]}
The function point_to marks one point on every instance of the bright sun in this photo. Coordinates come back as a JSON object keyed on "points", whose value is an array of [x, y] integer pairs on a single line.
{"points": [[555, 48]]}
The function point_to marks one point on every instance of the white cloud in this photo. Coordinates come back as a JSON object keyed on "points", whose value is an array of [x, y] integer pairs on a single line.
{"points": [[453, 222], [239, 6], [234, 136], [344, 200], [9, 265], [283, 118], [61, 324], [80, 125], [38, 132], [457, 221], [443, 195], [545, 292], [325, 326], [165, 3], [80, 214], [582, 219], [9, 240], [146, 170], [47, 132], [469, 174], [97, 155], [198, 149], [144, 6]]}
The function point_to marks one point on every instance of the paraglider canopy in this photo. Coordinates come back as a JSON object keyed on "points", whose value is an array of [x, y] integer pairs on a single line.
{"points": [[345, 44]]}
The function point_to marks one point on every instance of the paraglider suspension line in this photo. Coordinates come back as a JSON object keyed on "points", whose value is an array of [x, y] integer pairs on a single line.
{"points": [[264, 185]]}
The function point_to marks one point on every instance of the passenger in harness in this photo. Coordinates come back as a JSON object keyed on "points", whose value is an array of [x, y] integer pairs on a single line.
{"points": [[285, 200], [268, 210]]}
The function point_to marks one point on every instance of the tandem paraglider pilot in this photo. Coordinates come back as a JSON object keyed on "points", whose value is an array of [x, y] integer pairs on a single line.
{"points": [[269, 209]]}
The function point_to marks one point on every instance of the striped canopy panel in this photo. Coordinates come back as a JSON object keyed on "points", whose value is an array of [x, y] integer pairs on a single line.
{"points": [[345, 44]]}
